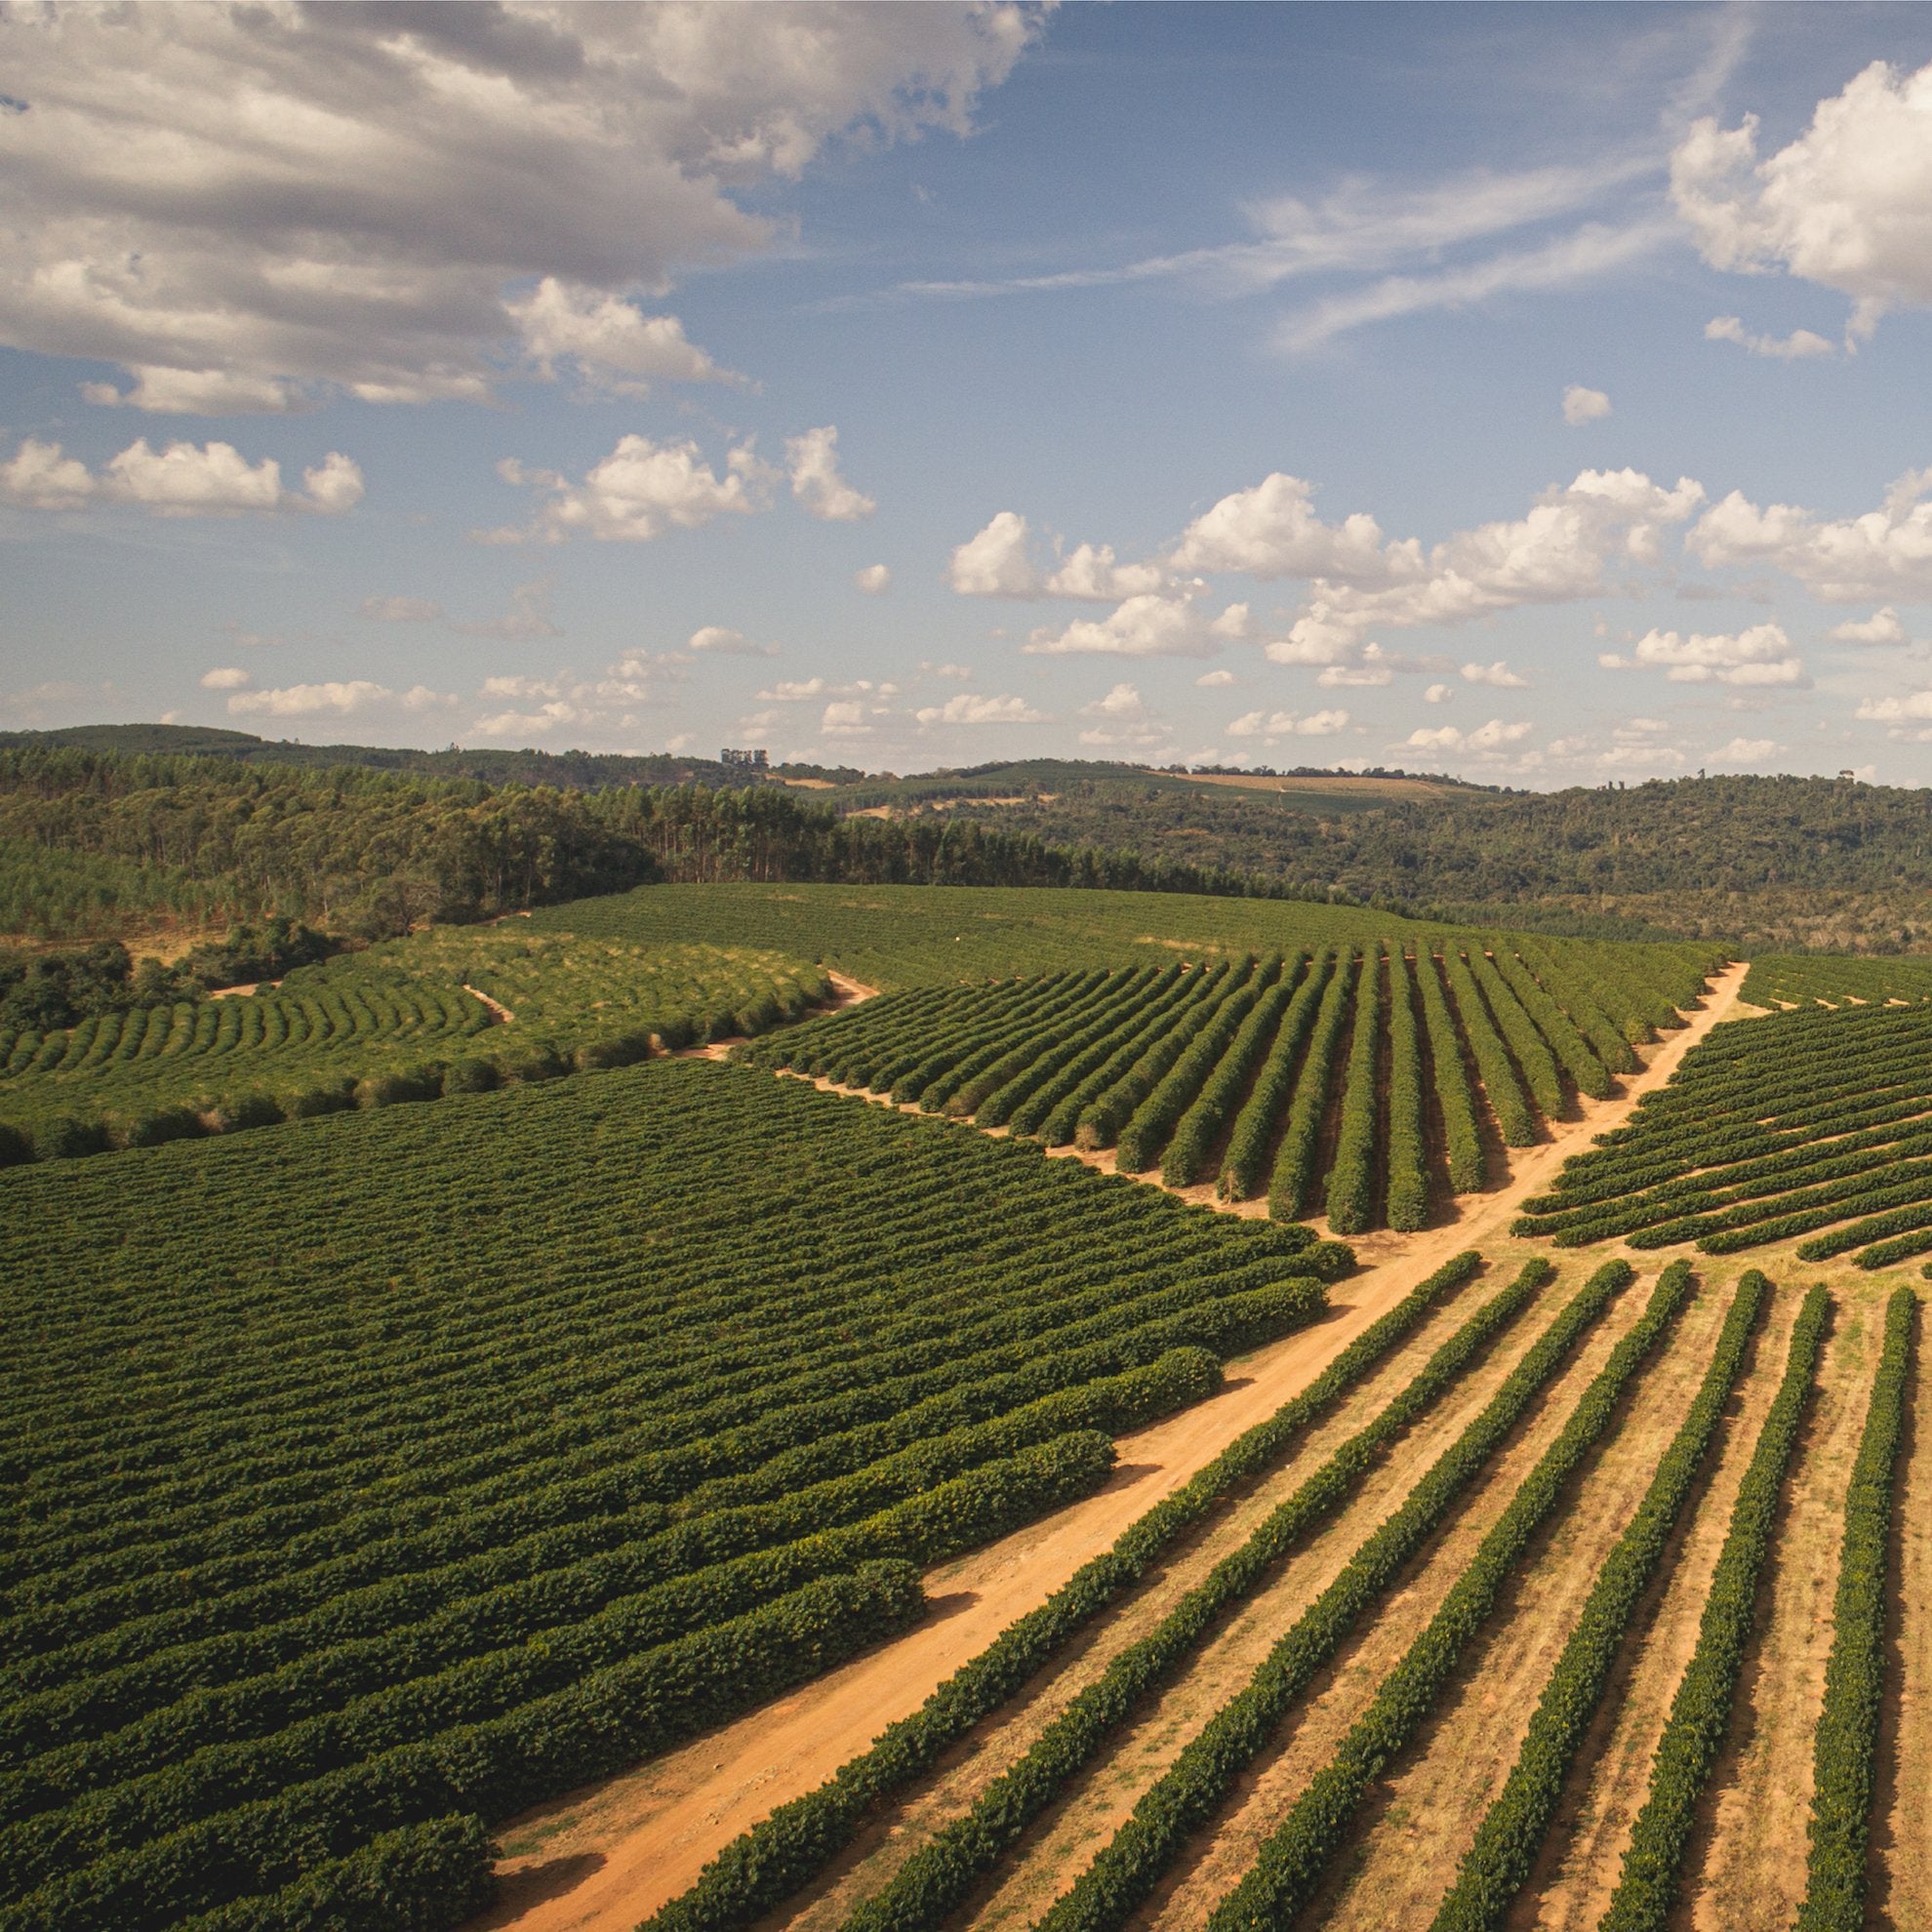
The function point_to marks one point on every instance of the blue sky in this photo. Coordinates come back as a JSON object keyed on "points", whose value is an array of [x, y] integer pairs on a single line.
{"points": [[1530, 392]]}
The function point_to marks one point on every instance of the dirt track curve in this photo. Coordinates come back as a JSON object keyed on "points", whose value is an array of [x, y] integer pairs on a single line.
{"points": [[606, 1857]]}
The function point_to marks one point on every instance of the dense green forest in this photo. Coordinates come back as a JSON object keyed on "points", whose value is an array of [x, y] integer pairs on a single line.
{"points": [[1786, 860], [97, 844], [93, 841], [493, 764]]}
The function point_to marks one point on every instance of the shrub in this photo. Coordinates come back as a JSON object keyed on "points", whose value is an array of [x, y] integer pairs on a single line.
{"points": [[332, 1097], [394, 1088], [245, 1111], [68, 1138], [167, 1123]]}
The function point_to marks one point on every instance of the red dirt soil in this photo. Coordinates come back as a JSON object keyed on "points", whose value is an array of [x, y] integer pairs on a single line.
{"points": [[605, 1857]]}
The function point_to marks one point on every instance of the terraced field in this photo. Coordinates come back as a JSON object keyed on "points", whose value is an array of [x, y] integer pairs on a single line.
{"points": [[456, 1009]]}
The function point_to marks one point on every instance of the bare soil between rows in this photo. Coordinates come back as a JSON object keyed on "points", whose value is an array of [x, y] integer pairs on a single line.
{"points": [[604, 1858]]}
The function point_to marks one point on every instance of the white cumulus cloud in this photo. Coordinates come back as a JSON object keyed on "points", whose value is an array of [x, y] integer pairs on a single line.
{"points": [[718, 640], [995, 562], [1497, 674], [230, 678], [844, 717], [1581, 405], [642, 491], [966, 708], [812, 463], [1794, 348], [1121, 718], [1909, 716], [1886, 552], [1491, 736], [1359, 580], [333, 700], [613, 342], [1143, 626], [1847, 205], [1744, 751], [875, 580], [1000, 562], [1091, 572], [1882, 626], [184, 479], [1288, 724], [1761, 654], [1272, 530]]}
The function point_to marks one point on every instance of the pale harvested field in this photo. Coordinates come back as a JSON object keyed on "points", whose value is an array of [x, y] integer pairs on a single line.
{"points": [[1364, 788]]}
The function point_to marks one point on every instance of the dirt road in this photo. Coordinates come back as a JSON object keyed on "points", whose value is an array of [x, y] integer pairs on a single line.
{"points": [[605, 1858]]}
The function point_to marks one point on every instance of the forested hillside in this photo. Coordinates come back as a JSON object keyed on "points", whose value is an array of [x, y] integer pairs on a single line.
{"points": [[99, 844], [1785, 861], [493, 764]]}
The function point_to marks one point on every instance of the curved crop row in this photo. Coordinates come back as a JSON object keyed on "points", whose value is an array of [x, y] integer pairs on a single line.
{"points": [[1100, 1125], [764, 1865], [1039, 1068], [1084, 1073], [635, 1708], [327, 1529], [1060, 1123]]}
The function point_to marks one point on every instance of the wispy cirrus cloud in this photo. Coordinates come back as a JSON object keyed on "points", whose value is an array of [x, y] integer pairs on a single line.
{"points": [[1360, 226]]}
